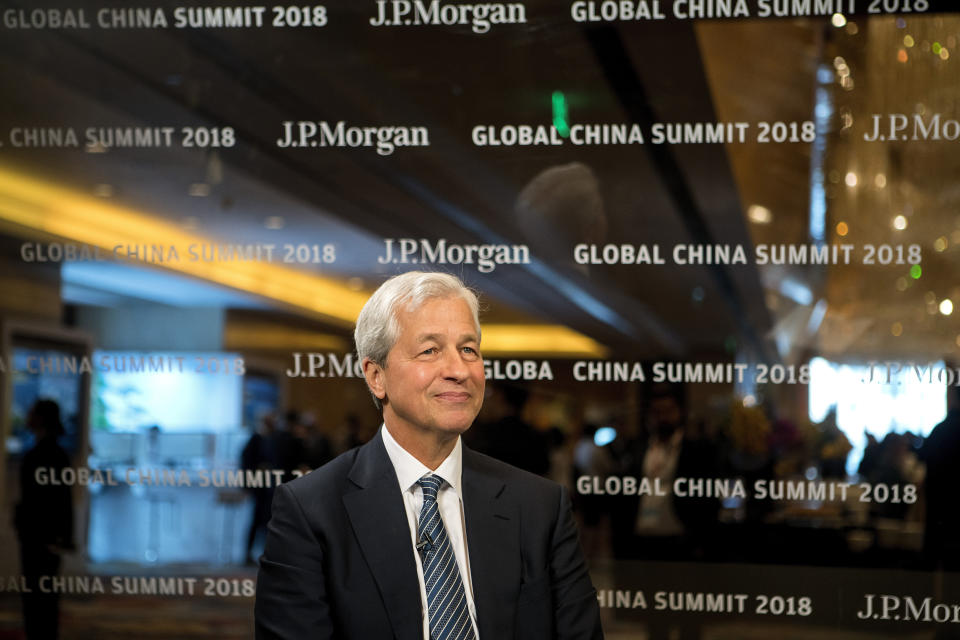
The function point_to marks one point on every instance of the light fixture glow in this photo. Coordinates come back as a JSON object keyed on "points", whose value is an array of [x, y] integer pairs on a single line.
{"points": [[759, 214], [604, 436], [53, 210], [280, 338], [44, 209], [537, 339]]}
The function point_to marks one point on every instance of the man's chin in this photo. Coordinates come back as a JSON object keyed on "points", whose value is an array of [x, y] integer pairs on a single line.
{"points": [[456, 423]]}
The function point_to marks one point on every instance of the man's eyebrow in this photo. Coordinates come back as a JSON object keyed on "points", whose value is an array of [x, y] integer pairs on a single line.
{"points": [[436, 337]]}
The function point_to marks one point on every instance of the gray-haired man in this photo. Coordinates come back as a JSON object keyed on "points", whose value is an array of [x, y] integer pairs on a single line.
{"points": [[413, 535]]}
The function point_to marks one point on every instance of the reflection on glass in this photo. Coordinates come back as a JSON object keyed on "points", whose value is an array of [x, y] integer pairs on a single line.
{"points": [[877, 399]]}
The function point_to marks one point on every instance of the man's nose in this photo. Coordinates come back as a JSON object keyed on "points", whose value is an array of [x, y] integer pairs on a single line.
{"points": [[454, 366]]}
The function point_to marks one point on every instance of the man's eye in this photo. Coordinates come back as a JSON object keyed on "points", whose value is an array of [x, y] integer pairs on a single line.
{"points": [[470, 350], [430, 351]]}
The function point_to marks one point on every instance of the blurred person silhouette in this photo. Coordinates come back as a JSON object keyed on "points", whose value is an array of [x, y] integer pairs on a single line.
{"points": [[153, 446], [589, 459], [833, 447], [668, 527], [350, 434], [257, 454], [746, 441], [896, 465], [584, 450], [561, 467], [315, 449], [509, 437], [43, 520], [941, 453], [289, 448], [663, 526], [871, 454]]}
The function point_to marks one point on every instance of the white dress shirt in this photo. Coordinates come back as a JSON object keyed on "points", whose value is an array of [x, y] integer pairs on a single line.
{"points": [[450, 505]]}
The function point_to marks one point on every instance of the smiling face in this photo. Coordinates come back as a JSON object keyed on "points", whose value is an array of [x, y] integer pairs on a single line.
{"points": [[432, 384]]}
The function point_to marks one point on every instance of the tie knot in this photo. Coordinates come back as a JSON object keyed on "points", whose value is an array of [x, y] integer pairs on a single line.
{"points": [[430, 485]]}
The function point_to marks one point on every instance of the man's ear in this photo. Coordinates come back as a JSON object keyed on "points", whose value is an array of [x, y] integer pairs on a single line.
{"points": [[373, 373]]}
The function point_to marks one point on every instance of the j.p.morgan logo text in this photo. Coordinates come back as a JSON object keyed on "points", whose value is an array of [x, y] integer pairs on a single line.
{"points": [[307, 133], [908, 609], [480, 17], [891, 127], [423, 251]]}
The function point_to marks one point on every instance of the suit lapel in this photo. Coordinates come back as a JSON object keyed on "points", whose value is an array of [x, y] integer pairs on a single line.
{"points": [[379, 521], [493, 541]]}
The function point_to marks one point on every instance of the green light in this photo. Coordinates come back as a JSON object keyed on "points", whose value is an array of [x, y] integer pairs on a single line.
{"points": [[916, 272], [560, 122], [936, 48]]}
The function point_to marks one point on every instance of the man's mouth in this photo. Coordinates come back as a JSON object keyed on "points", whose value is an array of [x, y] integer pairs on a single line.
{"points": [[453, 396]]}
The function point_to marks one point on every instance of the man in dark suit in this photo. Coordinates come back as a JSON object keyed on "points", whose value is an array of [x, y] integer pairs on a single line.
{"points": [[413, 535]]}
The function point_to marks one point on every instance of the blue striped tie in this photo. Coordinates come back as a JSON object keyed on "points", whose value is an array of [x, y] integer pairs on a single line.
{"points": [[446, 600]]}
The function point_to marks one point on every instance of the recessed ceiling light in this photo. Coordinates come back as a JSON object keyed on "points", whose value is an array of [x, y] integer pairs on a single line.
{"points": [[759, 214]]}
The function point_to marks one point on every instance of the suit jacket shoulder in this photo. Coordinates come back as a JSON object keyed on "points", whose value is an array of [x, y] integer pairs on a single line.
{"points": [[509, 473], [338, 562], [328, 480]]}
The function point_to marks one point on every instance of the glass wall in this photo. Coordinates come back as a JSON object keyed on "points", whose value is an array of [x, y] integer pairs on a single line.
{"points": [[717, 244]]}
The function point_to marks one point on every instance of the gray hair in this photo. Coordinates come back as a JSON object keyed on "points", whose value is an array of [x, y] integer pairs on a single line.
{"points": [[377, 325]]}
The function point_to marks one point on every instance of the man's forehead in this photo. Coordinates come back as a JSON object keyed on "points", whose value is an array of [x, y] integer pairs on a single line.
{"points": [[405, 313]]}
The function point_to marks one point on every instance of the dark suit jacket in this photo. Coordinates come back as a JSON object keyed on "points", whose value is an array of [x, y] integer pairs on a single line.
{"points": [[339, 563]]}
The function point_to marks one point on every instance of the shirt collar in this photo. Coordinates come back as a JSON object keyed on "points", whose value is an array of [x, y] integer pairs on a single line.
{"points": [[409, 469]]}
